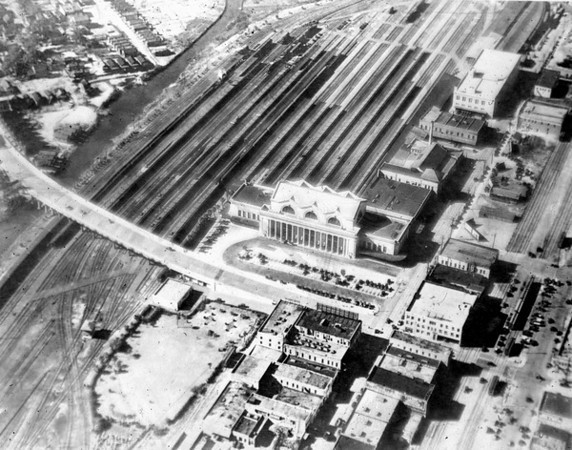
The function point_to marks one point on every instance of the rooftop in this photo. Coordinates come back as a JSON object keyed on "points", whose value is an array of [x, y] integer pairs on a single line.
{"points": [[556, 404], [490, 72], [347, 442], [252, 194], [400, 383], [309, 365], [470, 281], [304, 376], [394, 198], [299, 399], [381, 226], [533, 108], [419, 342], [470, 253], [409, 364], [443, 303], [170, 294], [551, 438], [322, 200], [247, 424], [227, 410], [548, 78], [251, 370], [453, 120], [282, 318], [328, 323]]}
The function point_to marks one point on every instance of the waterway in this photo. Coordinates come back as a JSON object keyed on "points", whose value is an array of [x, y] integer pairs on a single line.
{"points": [[134, 100]]}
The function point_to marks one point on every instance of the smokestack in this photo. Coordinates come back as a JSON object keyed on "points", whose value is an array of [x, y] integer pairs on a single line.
{"points": [[431, 134]]}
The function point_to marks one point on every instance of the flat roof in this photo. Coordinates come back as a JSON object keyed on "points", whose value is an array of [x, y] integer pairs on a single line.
{"points": [[557, 404], [253, 194], [453, 120], [470, 253], [227, 409], [443, 303], [346, 442], [170, 294], [371, 416], [471, 281], [246, 424], [394, 198], [328, 323], [548, 78], [489, 74], [309, 365], [534, 108], [299, 399], [381, 226], [302, 375], [251, 369], [282, 317], [400, 383], [550, 438], [419, 342], [409, 364]]}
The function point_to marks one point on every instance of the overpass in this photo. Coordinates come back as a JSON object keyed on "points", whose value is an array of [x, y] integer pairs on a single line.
{"points": [[223, 280]]}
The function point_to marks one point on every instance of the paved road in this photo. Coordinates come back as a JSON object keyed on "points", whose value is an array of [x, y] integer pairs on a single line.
{"points": [[225, 280]]}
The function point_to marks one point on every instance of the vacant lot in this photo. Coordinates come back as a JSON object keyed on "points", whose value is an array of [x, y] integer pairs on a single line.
{"points": [[164, 364]]}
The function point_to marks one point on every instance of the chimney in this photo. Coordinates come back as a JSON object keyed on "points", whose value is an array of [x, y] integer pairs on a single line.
{"points": [[431, 134]]}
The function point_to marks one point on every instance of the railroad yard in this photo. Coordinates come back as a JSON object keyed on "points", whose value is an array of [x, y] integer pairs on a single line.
{"points": [[327, 94]]}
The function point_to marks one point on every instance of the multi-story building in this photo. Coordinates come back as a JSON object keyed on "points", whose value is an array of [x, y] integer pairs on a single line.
{"points": [[539, 117], [487, 83], [452, 127], [338, 223], [468, 257], [273, 332], [439, 313], [304, 380], [421, 347], [322, 337], [409, 364], [422, 164]]}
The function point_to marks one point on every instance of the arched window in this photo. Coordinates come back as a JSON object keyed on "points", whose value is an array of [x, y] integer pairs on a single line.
{"points": [[288, 210], [334, 221], [311, 215]]}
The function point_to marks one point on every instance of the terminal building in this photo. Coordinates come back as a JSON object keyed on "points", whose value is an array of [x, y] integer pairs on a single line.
{"points": [[338, 223], [421, 164], [452, 127], [438, 313], [487, 83], [540, 117]]}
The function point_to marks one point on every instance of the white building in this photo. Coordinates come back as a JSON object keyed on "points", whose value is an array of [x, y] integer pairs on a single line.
{"points": [[439, 313], [273, 332], [487, 82], [304, 380], [339, 223], [468, 257], [421, 347], [541, 117], [171, 295]]}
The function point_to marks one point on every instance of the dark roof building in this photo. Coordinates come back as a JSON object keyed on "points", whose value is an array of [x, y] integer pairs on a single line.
{"points": [[546, 83], [468, 256], [452, 127]]}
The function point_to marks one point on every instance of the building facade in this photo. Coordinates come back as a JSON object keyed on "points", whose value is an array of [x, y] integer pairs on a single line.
{"points": [[487, 83], [452, 127], [537, 117], [468, 257]]}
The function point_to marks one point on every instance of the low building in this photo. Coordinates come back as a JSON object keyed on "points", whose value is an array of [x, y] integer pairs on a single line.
{"points": [[470, 282], [512, 193], [545, 85], [248, 428], [420, 346], [468, 257], [409, 364], [551, 438], [369, 421], [452, 127], [487, 83], [414, 393], [171, 295], [338, 223], [537, 117], [422, 164], [556, 410], [439, 313], [304, 380]]}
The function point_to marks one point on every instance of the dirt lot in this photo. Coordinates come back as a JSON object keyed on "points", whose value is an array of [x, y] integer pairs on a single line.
{"points": [[164, 363]]}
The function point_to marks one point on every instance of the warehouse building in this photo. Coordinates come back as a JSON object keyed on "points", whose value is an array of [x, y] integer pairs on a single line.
{"points": [[487, 83], [468, 257], [339, 223], [537, 117], [421, 164], [439, 313], [452, 127]]}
